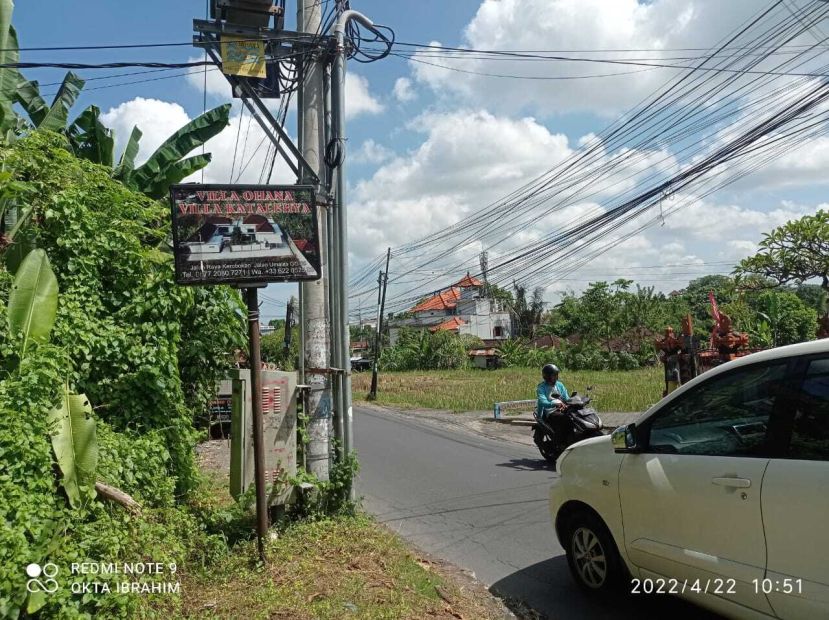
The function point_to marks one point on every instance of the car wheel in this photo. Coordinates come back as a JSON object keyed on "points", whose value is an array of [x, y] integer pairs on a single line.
{"points": [[592, 555]]}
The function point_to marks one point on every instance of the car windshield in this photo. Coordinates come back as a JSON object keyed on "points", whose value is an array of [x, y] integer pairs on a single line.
{"points": [[726, 415]]}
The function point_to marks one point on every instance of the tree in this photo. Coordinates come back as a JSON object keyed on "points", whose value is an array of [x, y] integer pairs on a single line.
{"points": [[790, 319], [695, 296], [795, 252], [812, 295], [527, 312]]}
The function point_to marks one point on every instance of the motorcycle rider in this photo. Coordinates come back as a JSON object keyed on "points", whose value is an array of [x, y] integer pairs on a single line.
{"points": [[550, 373], [546, 389]]}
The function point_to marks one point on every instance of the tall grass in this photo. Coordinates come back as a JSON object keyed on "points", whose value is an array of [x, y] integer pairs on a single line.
{"points": [[477, 390]]}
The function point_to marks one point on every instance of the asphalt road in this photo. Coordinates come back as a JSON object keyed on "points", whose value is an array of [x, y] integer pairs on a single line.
{"points": [[482, 505]]}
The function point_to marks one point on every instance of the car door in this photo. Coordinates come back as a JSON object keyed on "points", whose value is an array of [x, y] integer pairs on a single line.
{"points": [[691, 503], [796, 505]]}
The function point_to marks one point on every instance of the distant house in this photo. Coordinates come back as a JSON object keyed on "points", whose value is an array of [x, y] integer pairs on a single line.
{"points": [[462, 308]]}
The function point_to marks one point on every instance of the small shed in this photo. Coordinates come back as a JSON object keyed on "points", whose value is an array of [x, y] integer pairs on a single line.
{"points": [[485, 358]]}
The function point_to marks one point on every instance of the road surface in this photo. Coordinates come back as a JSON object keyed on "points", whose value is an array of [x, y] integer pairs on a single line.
{"points": [[482, 505]]}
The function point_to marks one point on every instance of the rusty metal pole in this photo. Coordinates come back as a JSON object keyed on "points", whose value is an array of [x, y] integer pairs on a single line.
{"points": [[256, 405]]}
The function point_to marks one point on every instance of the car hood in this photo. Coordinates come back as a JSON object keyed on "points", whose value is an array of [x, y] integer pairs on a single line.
{"points": [[595, 454]]}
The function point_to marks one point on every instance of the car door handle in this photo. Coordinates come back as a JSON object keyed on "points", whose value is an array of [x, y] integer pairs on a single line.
{"points": [[737, 483]]}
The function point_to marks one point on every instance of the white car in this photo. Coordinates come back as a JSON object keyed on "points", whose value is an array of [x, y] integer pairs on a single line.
{"points": [[719, 493]]}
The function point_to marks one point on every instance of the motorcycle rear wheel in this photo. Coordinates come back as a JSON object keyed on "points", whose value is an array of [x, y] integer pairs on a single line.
{"points": [[546, 446]]}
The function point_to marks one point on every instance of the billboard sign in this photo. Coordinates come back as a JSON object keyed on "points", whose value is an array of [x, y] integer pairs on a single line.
{"points": [[243, 56], [244, 234]]}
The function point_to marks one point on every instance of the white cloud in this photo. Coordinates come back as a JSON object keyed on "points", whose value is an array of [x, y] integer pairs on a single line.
{"points": [[582, 26], [370, 152], [403, 90], [156, 119], [159, 119], [217, 85], [467, 159], [710, 222], [358, 97]]}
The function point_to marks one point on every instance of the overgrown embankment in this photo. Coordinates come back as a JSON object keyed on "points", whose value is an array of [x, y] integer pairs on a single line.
{"points": [[144, 351]]}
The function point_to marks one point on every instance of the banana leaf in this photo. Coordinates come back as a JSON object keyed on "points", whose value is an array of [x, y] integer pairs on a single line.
{"points": [[192, 135], [58, 115], [75, 444], [28, 96], [33, 301], [176, 172], [127, 163], [91, 139], [8, 77], [23, 242]]}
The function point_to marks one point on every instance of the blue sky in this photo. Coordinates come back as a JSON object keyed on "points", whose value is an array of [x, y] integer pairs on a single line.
{"points": [[428, 146]]}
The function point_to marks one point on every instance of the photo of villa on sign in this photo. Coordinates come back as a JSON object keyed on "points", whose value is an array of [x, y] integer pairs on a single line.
{"points": [[244, 234]]}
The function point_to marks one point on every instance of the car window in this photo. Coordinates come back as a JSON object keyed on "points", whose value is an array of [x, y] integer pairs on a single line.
{"points": [[810, 432], [725, 416]]}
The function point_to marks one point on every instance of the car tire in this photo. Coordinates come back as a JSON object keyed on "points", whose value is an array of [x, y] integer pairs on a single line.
{"points": [[592, 555]]}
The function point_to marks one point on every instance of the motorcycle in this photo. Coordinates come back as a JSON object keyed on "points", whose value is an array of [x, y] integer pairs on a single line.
{"points": [[571, 421]]}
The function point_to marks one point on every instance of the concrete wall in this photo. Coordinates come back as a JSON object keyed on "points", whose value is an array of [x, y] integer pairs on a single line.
{"points": [[483, 325]]}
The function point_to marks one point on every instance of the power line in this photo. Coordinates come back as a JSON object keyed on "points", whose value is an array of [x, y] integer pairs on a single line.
{"points": [[106, 65]]}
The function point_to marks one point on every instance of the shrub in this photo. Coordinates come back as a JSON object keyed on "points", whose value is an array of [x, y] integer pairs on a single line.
{"points": [[146, 352]]}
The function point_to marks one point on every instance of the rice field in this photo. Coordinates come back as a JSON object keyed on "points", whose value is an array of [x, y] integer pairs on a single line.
{"points": [[478, 390]]}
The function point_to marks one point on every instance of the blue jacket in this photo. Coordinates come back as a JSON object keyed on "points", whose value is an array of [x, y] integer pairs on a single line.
{"points": [[543, 394]]}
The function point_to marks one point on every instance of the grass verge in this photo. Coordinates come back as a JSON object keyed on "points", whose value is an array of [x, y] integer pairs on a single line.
{"points": [[344, 566], [474, 390], [334, 568]]}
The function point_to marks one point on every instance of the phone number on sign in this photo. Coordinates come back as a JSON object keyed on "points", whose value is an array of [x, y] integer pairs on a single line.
{"points": [[681, 586]]}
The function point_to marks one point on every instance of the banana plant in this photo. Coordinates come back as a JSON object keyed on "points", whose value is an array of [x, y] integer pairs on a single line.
{"points": [[33, 301], [32, 310], [168, 164], [91, 139], [52, 117], [14, 215], [75, 444], [9, 76]]}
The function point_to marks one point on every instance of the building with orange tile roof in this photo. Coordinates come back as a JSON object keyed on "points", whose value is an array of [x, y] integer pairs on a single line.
{"points": [[463, 308]]}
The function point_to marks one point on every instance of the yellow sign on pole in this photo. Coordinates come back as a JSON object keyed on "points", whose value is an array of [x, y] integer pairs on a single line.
{"points": [[243, 56]]}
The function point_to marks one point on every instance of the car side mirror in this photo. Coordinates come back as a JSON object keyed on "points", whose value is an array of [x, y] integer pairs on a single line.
{"points": [[624, 439]]}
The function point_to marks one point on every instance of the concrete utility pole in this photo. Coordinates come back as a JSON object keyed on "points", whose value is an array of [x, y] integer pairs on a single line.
{"points": [[317, 342], [382, 282]]}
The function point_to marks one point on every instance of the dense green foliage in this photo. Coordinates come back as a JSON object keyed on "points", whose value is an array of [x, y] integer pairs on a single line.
{"points": [[145, 351], [274, 351], [619, 318], [613, 326], [423, 350], [795, 252]]}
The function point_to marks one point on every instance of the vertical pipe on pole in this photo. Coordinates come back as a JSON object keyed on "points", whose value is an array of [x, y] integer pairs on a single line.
{"points": [[333, 297], [256, 404], [338, 122], [315, 294], [300, 19], [341, 223]]}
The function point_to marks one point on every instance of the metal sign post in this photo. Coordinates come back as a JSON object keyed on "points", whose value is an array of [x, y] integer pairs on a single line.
{"points": [[247, 236], [252, 293]]}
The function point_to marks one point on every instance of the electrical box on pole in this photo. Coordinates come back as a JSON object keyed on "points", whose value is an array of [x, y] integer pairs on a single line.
{"points": [[279, 420]]}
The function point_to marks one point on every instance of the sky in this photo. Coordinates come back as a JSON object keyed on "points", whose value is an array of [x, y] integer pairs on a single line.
{"points": [[428, 145]]}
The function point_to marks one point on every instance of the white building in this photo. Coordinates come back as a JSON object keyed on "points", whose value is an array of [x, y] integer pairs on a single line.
{"points": [[462, 308]]}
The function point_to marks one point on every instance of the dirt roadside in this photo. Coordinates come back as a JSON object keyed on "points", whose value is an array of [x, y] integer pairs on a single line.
{"points": [[464, 596]]}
